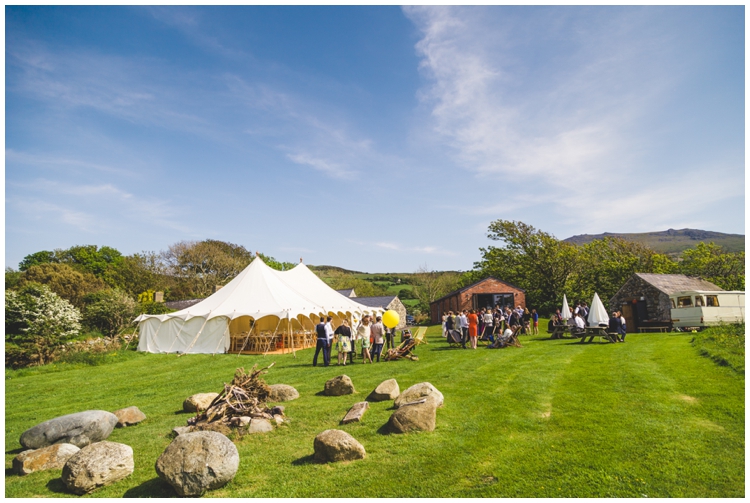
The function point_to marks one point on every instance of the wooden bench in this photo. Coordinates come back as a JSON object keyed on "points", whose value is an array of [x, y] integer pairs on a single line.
{"points": [[592, 332], [653, 329]]}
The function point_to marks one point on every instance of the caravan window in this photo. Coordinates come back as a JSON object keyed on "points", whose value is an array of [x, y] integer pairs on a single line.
{"points": [[698, 301], [712, 300], [685, 301], [672, 301]]}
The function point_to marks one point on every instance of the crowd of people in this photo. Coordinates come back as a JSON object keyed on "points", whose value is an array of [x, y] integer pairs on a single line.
{"points": [[579, 321], [370, 336], [489, 324]]}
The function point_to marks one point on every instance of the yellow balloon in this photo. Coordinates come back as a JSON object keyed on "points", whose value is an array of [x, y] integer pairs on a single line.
{"points": [[391, 318]]}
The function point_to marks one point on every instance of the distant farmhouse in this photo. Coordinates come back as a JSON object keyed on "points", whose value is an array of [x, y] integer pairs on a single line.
{"points": [[385, 302], [644, 298], [489, 292]]}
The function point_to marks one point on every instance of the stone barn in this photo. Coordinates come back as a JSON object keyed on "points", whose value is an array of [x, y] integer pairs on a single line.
{"points": [[489, 292], [644, 298], [385, 302]]}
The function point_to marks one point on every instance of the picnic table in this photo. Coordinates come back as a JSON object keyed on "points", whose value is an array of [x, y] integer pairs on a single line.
{"points": [[592, 332], [559, 331]]}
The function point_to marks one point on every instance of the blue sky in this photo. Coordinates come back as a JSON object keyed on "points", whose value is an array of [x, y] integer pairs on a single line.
{"points": [[373, 138]]}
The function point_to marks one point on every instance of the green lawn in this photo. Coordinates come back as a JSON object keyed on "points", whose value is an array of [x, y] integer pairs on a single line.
{"points": [[648, 418]]}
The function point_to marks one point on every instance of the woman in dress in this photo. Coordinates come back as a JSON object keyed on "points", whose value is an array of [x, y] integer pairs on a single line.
{"points": [[343, 345], [473, 322]]}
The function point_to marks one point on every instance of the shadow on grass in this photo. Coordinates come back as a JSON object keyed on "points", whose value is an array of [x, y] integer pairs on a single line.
{"points": [[306, 460], [9, 472], [154, 488], [181, 411], [56, 485]]}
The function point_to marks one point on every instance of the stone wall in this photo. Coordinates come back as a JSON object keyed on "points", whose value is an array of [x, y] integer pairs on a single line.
{"points": [[658, 306], [400, 308], [460, 300]]}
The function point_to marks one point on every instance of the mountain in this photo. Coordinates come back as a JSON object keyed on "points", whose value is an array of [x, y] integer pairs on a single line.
{"points": [[671, 241]]}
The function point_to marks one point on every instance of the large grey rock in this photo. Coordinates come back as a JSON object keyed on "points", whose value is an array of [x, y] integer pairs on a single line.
{"points": [[199, 401], [46, 458], [96, 465], [337, 445], [417, 392], [415, 416], [339, 385], [129, 416], [355, 413], [259, 425], [79, 429], [282, 393], [198, 462], [386, 390]]}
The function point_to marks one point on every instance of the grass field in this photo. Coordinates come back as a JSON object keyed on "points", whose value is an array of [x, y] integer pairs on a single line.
{"points": [[648, 418]]}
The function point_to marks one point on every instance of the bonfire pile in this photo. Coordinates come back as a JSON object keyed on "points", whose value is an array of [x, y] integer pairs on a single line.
{"points": [[245, 396]]}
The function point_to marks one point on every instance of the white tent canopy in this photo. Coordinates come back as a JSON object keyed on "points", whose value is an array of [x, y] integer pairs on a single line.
{"points": [[258, 292], [597, 313]]}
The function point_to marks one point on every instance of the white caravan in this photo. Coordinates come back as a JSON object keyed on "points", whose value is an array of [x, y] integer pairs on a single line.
{"points": [[703, 308]]}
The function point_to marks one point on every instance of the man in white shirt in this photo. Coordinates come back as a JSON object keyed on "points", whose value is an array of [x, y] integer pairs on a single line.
{"points": [[463, 322], [580, 324]]}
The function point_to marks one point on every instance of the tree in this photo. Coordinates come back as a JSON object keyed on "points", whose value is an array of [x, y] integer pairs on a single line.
{"points": [[531, 259], [710, 262], [429, 286], [206, 264], [40, 257], [90, 258], [37, 321], [108, 311], [65, 281], [339, 280]]}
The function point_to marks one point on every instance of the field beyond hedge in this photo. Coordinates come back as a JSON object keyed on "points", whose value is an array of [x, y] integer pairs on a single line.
{"points": [[648, 418]]}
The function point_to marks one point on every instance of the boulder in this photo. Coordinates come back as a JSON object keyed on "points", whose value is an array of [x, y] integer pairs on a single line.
{"points": [[340, 385], [198, 462], [96, 465], [282, 393], [129, 416], [199, 401], [46, 458], [259, 425], [337, 445], [241, 421], [356, 412], [417, 392], [414, 416], [79, 429], [386, 390], [180, 430]]}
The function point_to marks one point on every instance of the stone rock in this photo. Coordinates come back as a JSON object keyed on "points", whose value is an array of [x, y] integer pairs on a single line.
{"points": [[198, 462], [356, 412], [241, 421], [199, 401], [96, 465], [259, 425], [416, 416], [340, 385], [278, 410], [129, 416], [279, 419], [386, 390], [282, 393], [337, 445], [46, 458], [79, 429], [417, 392], [180, 430]]}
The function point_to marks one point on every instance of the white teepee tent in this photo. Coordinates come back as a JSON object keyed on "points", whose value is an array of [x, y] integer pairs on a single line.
{"points": [[597, 313]]}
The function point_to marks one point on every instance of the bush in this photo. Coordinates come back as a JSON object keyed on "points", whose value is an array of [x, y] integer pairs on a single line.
{"points": [[37, 322], [151, 307], [108, 311]]}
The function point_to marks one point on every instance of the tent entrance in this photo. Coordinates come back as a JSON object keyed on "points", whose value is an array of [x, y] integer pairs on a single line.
{"points": [[270, 335]]}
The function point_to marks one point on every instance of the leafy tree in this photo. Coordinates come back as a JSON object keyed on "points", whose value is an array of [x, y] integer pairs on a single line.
{"points": [[40, 257], [531, 259], [339, 280], [710, 262], [206, 264], [12, 278], [275, 264], [90, 258], [431, 285], [65, 281], [108, 311], [37, 321]]}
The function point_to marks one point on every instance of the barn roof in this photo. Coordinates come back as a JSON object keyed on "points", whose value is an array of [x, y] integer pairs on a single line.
{"points": [[381, 301], [454, 292], [348, 292], [671, 283]]}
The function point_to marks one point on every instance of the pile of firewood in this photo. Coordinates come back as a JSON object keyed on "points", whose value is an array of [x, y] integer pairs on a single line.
{"points": [[245, 396]]}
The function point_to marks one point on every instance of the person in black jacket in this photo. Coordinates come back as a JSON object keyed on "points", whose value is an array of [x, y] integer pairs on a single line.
{"points": [[615, 326]]}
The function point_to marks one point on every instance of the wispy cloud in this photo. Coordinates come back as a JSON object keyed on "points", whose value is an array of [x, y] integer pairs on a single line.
{"points": [[397, 247], [26, 158]]}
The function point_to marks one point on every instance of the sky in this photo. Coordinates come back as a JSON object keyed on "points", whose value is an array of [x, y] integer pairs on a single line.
{"points": [[378, 139]]}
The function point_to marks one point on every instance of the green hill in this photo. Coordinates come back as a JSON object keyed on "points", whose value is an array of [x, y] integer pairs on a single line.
{"points": [[671, 241]]}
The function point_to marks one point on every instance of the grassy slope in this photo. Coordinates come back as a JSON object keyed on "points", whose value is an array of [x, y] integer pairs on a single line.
{"points": [[649, 417]]}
